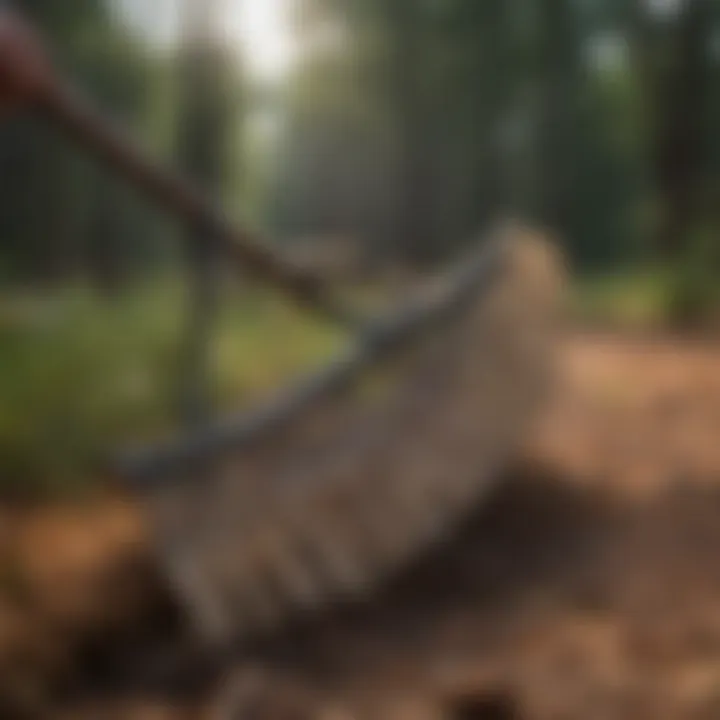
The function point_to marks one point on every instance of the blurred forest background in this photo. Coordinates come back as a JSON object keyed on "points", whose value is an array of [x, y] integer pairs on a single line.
{"points": [[400, 130]]}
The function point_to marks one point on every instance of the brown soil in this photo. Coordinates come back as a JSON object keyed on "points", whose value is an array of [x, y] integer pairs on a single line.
{"points": [[588, 587]]}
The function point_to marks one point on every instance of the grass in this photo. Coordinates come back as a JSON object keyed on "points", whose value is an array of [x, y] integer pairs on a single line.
{"points": [[632, 300], [654, 298], [81, 376]]}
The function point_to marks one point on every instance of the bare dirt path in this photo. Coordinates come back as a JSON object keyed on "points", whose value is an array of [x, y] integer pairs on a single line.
{"points": [[588, 587]]}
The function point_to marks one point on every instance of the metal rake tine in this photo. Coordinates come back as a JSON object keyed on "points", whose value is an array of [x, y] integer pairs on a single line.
{"points": [[384, 521], [299, 580], [308, 564], [275, 553], [336, 555], [251, 585], [256, 606]]}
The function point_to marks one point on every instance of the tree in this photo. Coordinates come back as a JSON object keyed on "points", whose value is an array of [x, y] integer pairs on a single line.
{"points": [[207, 114], [680, 140], [60, 215]]}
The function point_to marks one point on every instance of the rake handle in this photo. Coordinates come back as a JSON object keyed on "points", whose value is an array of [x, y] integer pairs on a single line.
{"points": [[27, 79]]}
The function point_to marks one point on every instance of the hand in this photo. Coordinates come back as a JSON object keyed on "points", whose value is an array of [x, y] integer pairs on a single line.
{"points": [[25, 72]]}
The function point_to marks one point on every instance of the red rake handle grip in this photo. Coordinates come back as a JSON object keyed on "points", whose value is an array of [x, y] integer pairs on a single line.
{"points": [[25, 71], [27, 79]]}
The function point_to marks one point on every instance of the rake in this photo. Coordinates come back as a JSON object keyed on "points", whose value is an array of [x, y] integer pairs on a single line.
{"points": [[334, 484]]}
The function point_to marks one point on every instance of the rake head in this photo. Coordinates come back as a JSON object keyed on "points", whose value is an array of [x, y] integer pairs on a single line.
{"points": [[329, 490], [339, 481]]}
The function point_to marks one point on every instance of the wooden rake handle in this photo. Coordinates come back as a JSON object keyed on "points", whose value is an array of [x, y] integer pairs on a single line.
{"points": [[28, 81]]}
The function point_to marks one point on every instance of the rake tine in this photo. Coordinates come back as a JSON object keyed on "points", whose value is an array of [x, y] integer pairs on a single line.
{"points": [[296, 576]]}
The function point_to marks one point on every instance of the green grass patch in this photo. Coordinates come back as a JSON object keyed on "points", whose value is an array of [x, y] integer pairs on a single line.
{"points": [[657, 298], [633, 300], [81, 376]]}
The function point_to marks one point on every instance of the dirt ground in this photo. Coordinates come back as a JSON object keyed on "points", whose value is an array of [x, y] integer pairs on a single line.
{"points": [[587, 587]]}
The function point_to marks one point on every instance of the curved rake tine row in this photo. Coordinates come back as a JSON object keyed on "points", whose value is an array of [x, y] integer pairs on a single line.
{"points": [[340, 480], [28, 81], [343, 478]]}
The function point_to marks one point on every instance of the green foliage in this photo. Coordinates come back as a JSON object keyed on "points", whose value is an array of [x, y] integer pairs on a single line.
{"points": [[567, 112], [694, 293], [680, 296], [72, 375], [80, 378], [692, 298], [60, 215], [461, 111], [630, 300]]}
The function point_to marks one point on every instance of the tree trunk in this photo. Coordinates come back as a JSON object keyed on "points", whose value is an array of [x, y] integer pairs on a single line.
{"points": [[679, 142], [205, 119]]}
